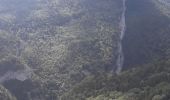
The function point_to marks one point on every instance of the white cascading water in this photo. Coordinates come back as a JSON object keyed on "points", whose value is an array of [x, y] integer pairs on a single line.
{"points": [[120, 59]]}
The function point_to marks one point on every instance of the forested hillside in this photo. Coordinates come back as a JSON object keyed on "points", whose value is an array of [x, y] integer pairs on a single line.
{"points": [[46, 46], [146, 50], [148, 82], [75, 49]]}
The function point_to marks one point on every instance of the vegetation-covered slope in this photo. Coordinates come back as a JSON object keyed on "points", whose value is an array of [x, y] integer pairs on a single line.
{"points": [[59, 41], [148, 82], [146, 40], [68, 49]]}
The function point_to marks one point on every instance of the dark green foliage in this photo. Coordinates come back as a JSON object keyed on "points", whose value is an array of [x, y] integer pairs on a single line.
{"points": [[70, 49], [60, 41], [148, 82]]}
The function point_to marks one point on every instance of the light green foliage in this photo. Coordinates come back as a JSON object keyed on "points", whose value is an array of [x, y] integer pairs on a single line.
{"points": [[71, 48], [61, 41]]}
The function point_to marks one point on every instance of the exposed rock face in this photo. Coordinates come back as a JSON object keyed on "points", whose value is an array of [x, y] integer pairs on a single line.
{"points": [[147, 35]]}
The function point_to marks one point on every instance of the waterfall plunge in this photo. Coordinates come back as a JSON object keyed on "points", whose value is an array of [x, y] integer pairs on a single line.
{"points": [[122, 24]]}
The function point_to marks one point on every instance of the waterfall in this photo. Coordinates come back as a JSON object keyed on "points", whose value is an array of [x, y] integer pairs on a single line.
{"points": [[122, 24]]}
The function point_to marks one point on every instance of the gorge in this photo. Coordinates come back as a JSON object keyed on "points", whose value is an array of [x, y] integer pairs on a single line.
{"points": [[84, 50]]}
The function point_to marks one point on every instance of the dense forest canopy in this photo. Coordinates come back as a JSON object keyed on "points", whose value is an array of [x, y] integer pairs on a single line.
{"points": [[72, 49]]}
